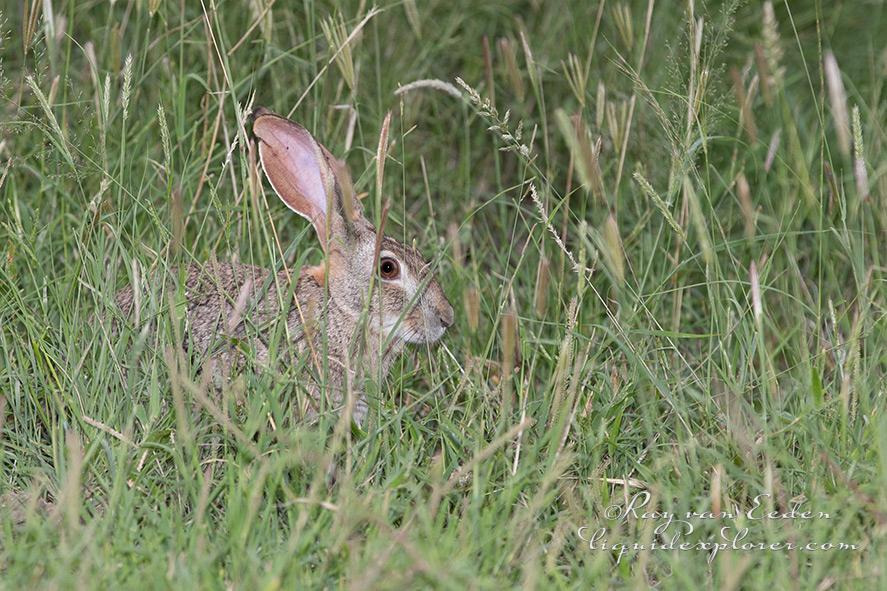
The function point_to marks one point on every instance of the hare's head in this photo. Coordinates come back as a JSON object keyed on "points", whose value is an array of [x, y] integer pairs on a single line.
{"points": [[406, 300]]}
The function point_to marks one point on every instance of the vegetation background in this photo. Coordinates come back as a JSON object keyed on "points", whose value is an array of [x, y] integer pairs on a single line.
{"points": [[661, 224]]}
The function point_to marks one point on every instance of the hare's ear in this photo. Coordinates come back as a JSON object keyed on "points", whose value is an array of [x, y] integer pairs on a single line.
{"points": [[297, 167]]}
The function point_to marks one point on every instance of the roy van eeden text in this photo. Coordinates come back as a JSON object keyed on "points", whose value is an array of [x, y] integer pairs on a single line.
{"points": [[730, 539]]}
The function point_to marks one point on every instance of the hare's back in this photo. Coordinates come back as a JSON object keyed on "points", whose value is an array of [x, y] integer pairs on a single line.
{"points": [[217, 296]]}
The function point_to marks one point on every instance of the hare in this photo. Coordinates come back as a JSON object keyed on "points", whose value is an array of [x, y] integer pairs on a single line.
{"points": [[348, 317]]}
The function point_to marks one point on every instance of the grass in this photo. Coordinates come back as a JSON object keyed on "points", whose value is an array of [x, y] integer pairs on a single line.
{"points": [[661, 226]]}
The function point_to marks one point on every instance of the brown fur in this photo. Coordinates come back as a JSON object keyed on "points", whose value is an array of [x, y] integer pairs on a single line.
{"points": [[332, 320]]}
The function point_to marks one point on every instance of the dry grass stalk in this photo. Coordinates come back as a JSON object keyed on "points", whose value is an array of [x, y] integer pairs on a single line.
{"points": [[698, 219], [775, 140], [262, 18], [136, 292], [617, 118], [623, 21], [576, 75], [772, 46], [532, 69], [488, 70], [764, 75], [471, 299], [584, 153], [177, 219], [341, 43], [696, 85], [455, 244], [623, 150], [382, 154], [506, 50], [92, 62], [53, 90], [757, 303], [29, 22], [261, 10], [352, 123], [745, 202], [346, 43], [239, 307], [838, 101], [106, 429], [540, 294], [508, 334], [564, 363], [747, 117], [577, 266], [412, 12], [600, 105], [626, 482], [71, 491], [612, 251]]}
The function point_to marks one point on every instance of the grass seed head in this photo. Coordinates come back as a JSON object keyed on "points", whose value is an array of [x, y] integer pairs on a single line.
{"points": [[165, 139], [745, 202], [837, 97], [455, 244], [488, 70], [747, 116], [412, 12], [600, 105], [576, 75], [341, 46], [509, 341], [757, 304], [471, 299], [382, 155], [532, 70], [613, 249], [772, 45], [764, 74], [624, 24], [859, 171], [127, 85], [515, 78]]}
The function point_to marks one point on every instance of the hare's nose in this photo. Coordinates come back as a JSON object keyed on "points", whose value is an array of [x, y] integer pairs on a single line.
{"points": [[445, 314]]}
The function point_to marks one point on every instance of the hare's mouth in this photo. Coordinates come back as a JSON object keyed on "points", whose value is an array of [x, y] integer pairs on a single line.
{"points": [[421, 331], [431, 330], [433, 334], [422, 338]]}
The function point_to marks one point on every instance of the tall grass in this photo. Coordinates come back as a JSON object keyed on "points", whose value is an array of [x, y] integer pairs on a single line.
{"points": [[661, 226]]}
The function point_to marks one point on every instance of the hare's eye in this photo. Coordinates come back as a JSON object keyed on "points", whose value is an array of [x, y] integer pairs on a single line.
{"points": [[389, 268]]}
